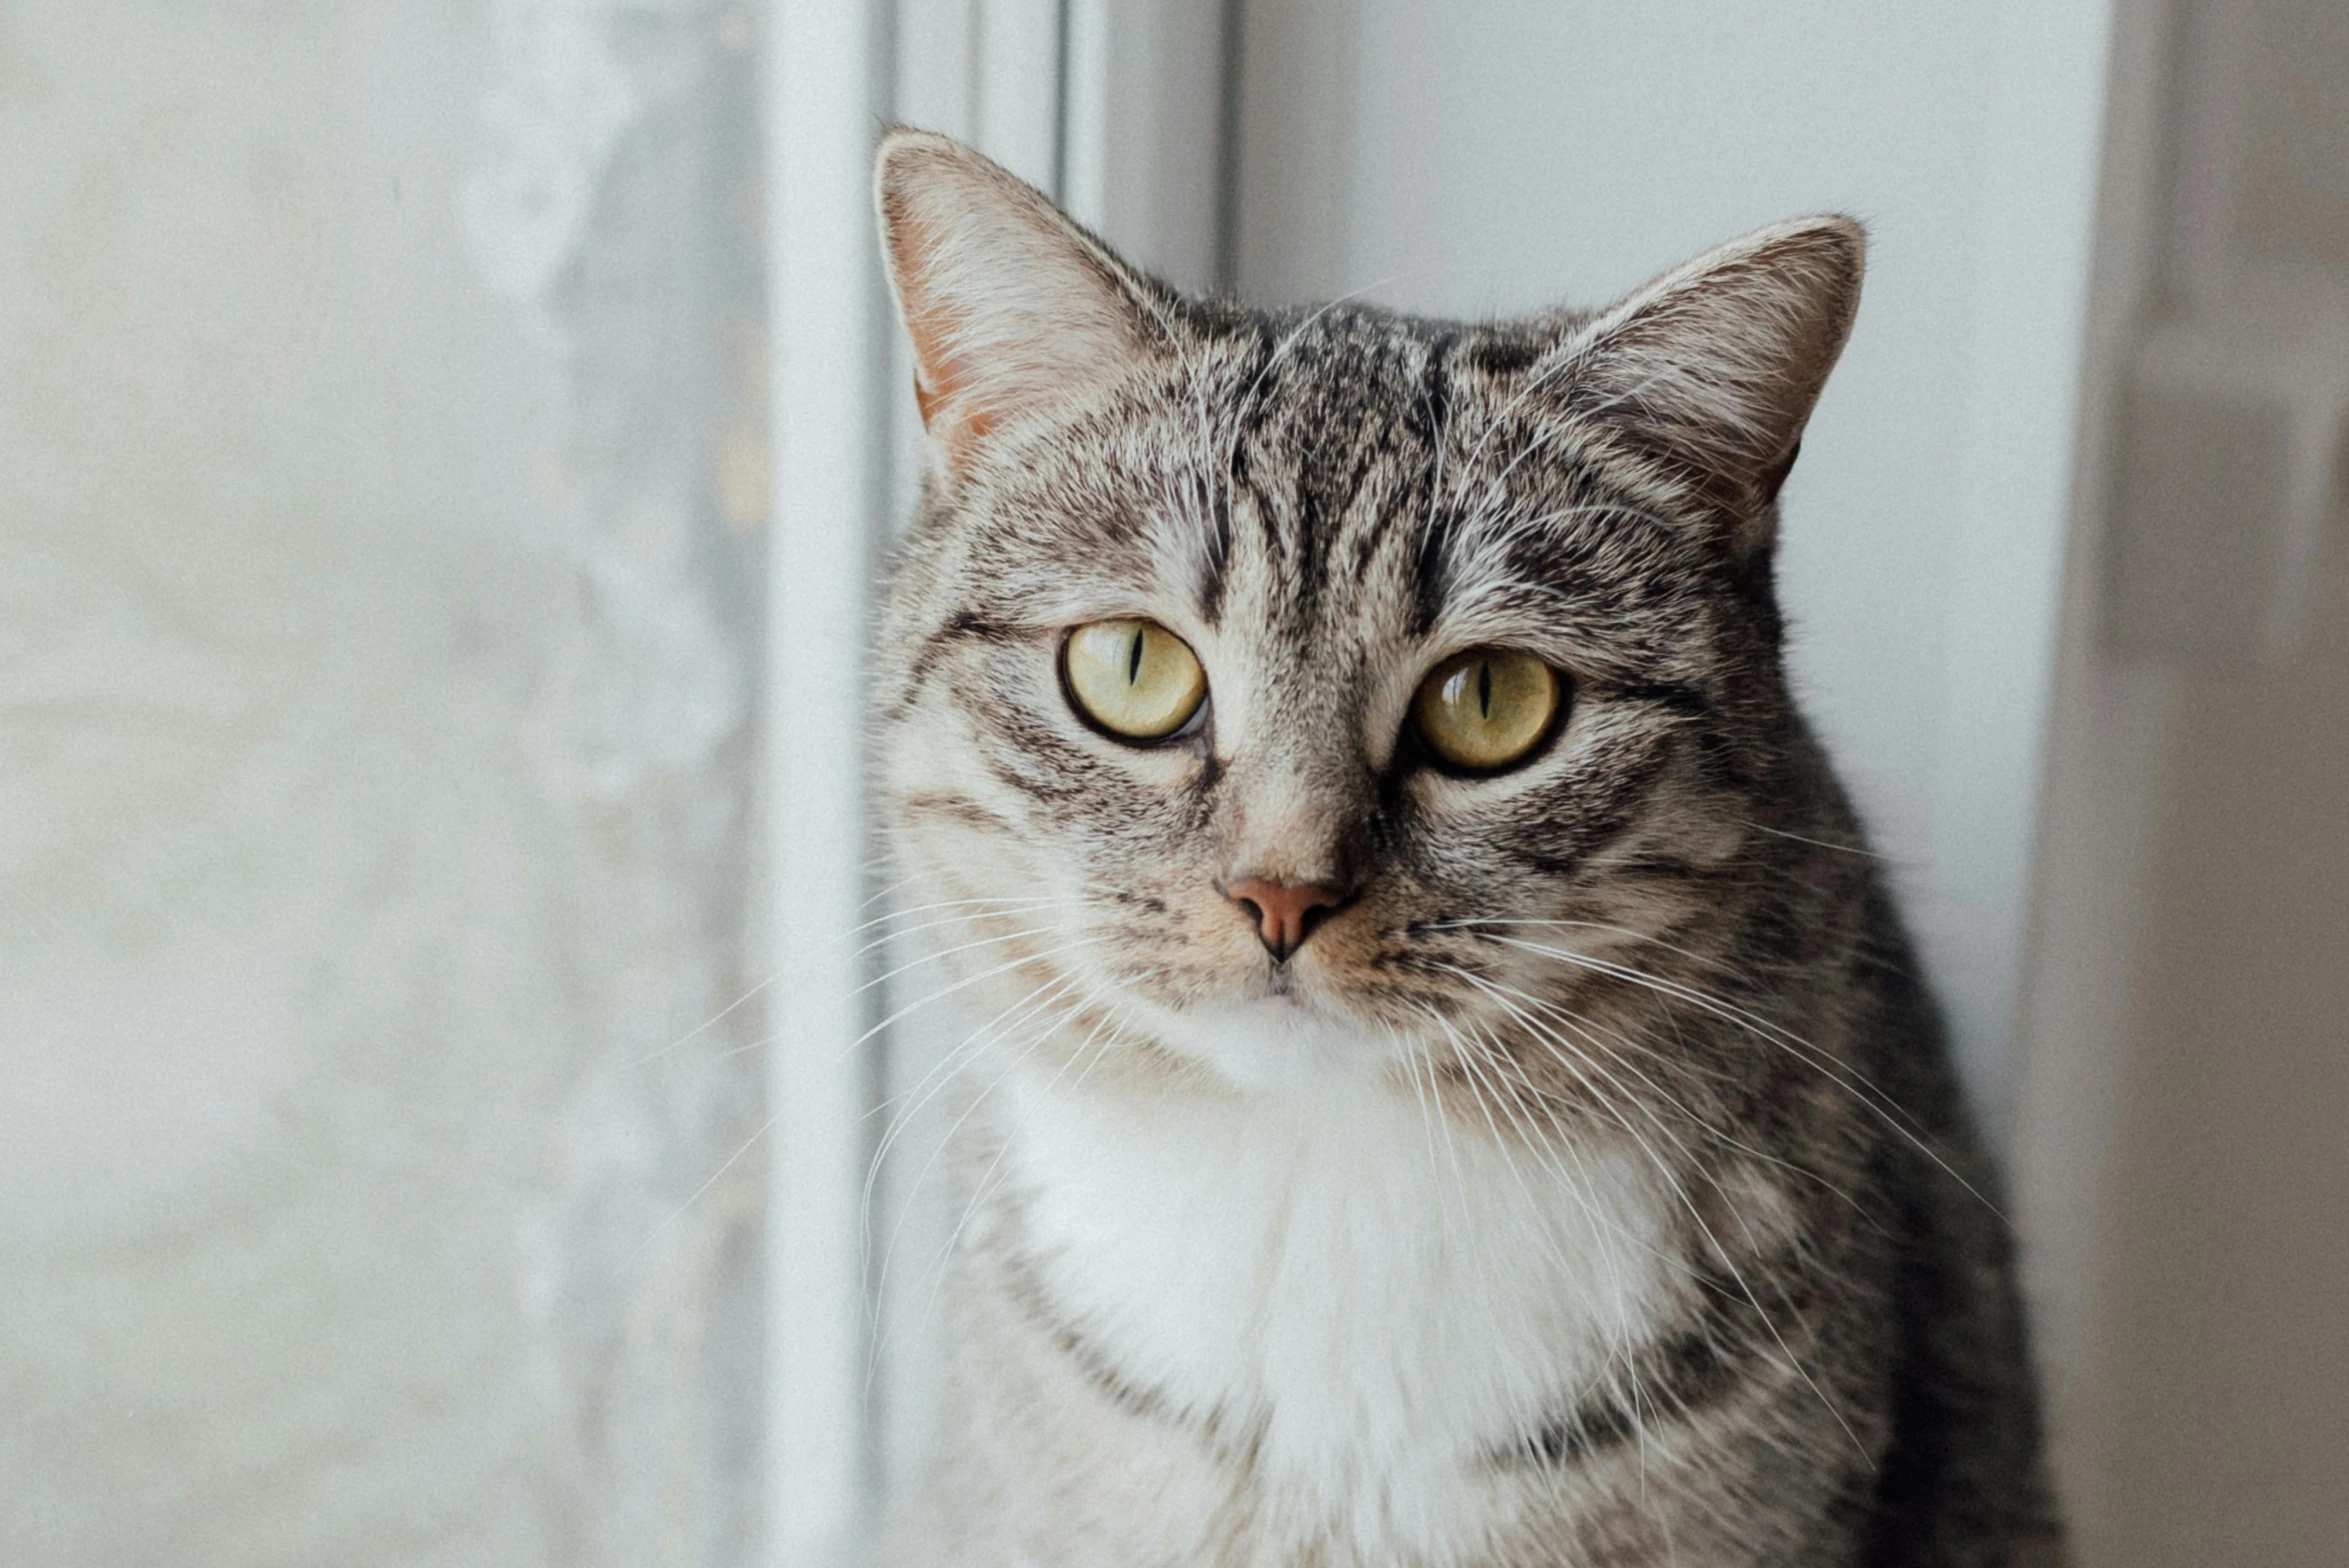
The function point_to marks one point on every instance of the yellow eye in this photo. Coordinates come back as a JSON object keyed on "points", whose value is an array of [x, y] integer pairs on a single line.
{"points": [[1135, 679], [1486, 708]]}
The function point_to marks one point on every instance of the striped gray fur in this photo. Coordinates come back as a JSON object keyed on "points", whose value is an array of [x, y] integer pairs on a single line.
{"points": [[1697, 1262]]}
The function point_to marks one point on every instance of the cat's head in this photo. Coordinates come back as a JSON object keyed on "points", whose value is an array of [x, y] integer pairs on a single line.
{"points": [[1284, 694]]}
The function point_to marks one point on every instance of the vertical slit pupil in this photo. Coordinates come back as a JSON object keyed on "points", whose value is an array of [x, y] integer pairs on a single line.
{"points": [[1134, 659], [1484, 689]]}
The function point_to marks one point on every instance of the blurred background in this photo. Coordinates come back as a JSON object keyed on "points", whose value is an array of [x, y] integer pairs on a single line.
{"points": [[446, 450]]}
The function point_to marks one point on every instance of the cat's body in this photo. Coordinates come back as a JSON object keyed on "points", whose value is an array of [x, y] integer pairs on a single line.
{"points": [[1577, 1176]]}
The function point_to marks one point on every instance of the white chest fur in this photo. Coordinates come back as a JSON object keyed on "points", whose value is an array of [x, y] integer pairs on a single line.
{"points": [[1388, 1299]]}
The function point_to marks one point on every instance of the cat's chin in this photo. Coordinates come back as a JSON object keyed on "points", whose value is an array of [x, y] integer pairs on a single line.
{"points": [[1277, 1044]]}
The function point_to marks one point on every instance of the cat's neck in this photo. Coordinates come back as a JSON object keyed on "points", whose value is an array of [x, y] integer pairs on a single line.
{"points": [[1380, 1292]]}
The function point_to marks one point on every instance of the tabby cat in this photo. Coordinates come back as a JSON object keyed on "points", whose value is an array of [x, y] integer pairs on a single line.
{"points": [[1455, 1091]]}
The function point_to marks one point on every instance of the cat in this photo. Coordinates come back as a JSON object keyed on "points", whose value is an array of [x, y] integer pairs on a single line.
{"points": [[1456, 1091]]}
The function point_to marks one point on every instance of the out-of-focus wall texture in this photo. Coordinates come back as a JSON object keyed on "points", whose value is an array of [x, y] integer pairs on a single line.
{"points": [[2186, 1030], [379, 489], [2226, 1366]]}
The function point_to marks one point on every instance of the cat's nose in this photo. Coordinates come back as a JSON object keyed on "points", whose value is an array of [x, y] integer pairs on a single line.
{"points": [[1285, 912]]}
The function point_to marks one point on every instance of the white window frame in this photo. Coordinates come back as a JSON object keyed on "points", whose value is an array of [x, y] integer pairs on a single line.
{"points": [[1118, 107], [819, 59]]}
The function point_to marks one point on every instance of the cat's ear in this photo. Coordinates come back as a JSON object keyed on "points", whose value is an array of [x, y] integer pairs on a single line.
{"points": [[1710, 372], [1010, 305]]}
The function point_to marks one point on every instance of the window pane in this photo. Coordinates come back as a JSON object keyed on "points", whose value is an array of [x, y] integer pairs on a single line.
{"points": [[381, 496]]}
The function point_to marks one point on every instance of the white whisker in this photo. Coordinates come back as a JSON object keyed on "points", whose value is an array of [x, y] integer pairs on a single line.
{"points": [[1689, 1204]]}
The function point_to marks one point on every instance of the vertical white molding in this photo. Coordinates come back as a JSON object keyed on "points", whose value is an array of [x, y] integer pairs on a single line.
{"points": [[1017, 113], [1141, 155], [820, 116]]}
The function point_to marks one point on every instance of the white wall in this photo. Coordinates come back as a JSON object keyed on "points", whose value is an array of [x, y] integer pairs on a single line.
{"points": [[1489, 156]]}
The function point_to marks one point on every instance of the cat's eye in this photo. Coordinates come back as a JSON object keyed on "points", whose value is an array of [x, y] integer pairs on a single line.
{"points": [[1482, 710], [1135, 679]]}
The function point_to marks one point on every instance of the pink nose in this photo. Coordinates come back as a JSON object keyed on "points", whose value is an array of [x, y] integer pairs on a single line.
{"points": [[1285, 912]]}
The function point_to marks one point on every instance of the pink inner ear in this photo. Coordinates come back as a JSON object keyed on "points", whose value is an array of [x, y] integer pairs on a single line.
{"points": [[932, 393], [940, 382], [1008, 306]]}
